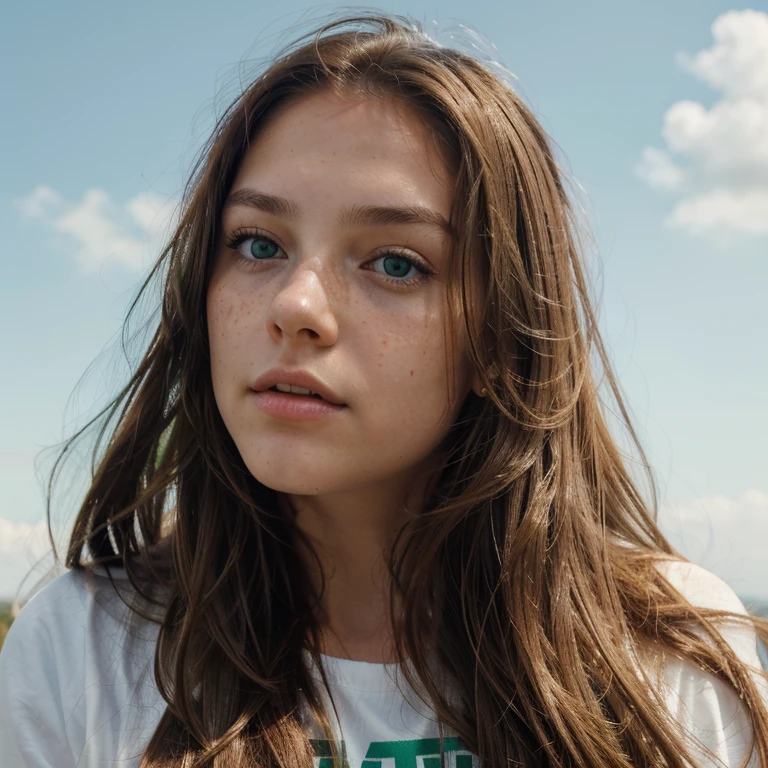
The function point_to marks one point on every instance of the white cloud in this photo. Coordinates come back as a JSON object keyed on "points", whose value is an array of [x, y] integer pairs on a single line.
{"points": [[36, 204], [23, 539], [131, 237], [716, 158], [25, 550], [146, 209], [725, 535], [26, 557], [744, 210], [659, 171], [738, 62]]}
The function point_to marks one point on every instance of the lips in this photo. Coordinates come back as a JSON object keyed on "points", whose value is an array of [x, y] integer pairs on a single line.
{"points": [[298, 378]]}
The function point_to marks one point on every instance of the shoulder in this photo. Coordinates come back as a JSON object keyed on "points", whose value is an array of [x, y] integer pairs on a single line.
{"points": [[65, 609], [703, 589], [79, 620], [73, 655], [705, 705], [699, 586], [56, 612], [46, 638]]}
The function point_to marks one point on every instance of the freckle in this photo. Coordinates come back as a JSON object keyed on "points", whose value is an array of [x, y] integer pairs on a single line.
{"points": [[384, 343]]}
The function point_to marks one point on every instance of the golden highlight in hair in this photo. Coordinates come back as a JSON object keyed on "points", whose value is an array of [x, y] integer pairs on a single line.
{"points": [[532, 574]]}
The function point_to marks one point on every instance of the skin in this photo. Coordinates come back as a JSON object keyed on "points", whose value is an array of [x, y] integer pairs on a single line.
{"points": [[322, 303]]}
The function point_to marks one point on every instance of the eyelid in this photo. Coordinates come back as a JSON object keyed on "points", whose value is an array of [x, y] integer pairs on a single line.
{"points": [[409, 255], [241, 234]]}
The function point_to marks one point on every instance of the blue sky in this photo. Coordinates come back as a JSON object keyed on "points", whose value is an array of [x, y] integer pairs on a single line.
{"points": [[660, 111]]}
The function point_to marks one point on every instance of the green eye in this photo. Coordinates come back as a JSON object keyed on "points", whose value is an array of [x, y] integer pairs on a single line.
{"points": [[396, 266], [254, 247], [262, 248], [400, 270]]}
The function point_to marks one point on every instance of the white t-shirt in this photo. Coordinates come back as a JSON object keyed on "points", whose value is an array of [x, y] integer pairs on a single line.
{"points": [[77, 688]]}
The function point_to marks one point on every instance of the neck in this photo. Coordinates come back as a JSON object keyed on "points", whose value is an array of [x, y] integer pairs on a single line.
{"points": [[351, 533]]}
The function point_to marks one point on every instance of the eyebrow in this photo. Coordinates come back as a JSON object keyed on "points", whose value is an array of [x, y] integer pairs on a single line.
{"points": [[355, 215]]}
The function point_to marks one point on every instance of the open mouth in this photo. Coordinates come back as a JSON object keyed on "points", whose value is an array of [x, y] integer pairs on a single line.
{"points": [[295, 394], [295, 403]]}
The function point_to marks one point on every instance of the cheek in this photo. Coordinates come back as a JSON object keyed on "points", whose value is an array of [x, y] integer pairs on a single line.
{"points": [[219, 309], [408, 369], [414, 347], [231, 317], [407, 347]]}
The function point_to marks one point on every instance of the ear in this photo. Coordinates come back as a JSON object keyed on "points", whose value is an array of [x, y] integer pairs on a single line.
{"points": [[477, 385]]}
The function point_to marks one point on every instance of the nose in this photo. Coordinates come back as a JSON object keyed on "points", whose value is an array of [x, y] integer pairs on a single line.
{"points": [[301, 310]]}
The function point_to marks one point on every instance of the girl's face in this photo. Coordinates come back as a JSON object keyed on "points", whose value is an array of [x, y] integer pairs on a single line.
{"points": [[333, 262]]}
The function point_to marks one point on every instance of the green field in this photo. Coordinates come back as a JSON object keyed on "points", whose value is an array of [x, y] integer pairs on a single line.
{"points": [[5, 620]]}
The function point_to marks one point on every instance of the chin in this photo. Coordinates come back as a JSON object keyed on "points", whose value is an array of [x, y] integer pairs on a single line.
{"points": [[292, 486], [294, 479]]}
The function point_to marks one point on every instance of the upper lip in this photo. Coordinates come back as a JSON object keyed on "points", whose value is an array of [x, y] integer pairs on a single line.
{"points": [[298, 379]]}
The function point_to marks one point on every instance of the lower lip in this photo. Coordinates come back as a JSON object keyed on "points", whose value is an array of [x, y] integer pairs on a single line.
{"points": [[295, 407]]}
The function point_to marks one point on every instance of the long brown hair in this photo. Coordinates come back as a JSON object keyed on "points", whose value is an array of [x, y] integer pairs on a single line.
{"points": [[531, 574]]}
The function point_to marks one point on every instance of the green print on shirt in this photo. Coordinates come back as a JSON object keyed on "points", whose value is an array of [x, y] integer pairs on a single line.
{"points": [[404, 753]]}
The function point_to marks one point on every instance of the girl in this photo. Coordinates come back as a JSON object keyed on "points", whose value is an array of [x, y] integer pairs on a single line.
{"points": [[360, 505]]}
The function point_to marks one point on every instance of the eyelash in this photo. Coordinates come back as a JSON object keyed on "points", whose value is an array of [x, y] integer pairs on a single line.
{"points": [[238, 237]]}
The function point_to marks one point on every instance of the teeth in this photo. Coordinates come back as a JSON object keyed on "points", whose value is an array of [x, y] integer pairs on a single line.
{"points": [[293, 389]]}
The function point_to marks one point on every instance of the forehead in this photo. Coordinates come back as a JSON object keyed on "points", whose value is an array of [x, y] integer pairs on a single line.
{"points": [[372, 146]]}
